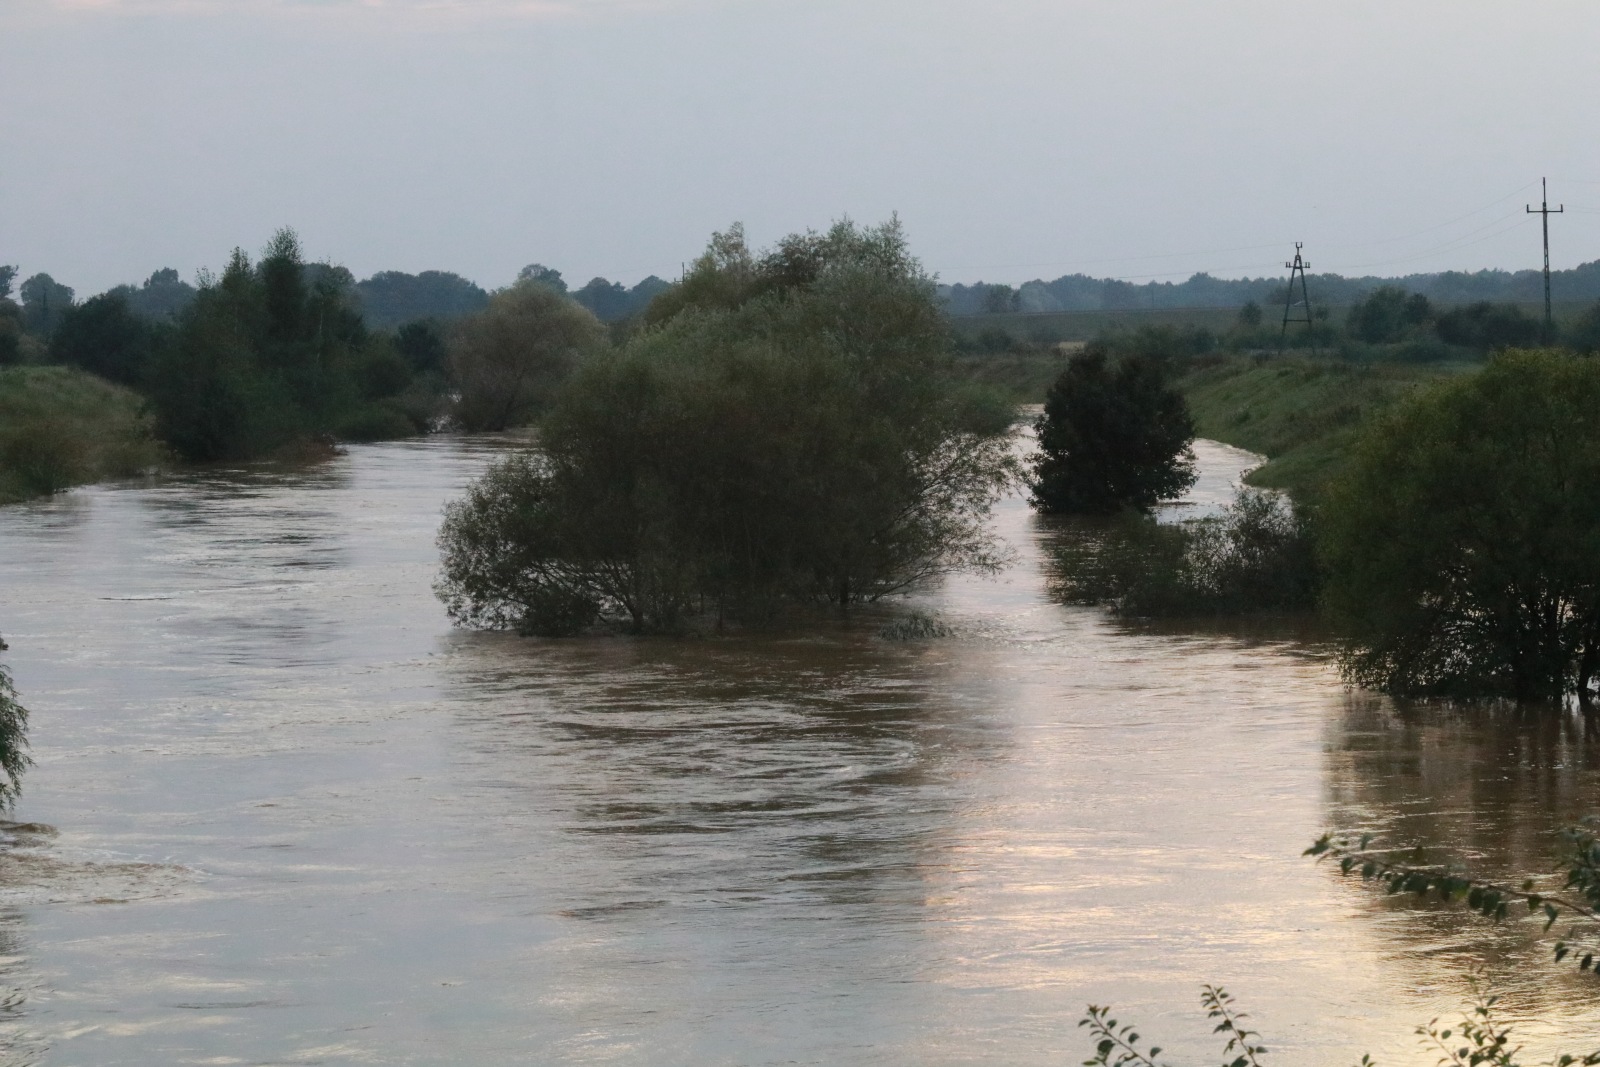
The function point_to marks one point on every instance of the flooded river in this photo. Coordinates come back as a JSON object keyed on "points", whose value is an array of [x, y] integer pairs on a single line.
{"points": [[302, 821]]}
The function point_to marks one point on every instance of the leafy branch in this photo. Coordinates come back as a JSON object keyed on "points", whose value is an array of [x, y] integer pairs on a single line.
{"points": [[1404, 871], [1219, 1005], [1115, 1047]]}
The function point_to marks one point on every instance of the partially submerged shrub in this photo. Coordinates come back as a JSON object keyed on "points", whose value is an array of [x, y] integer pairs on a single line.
{"points": [[916, 626], [805, 444], [1256, 556], [1463, 538], [13, 739]]}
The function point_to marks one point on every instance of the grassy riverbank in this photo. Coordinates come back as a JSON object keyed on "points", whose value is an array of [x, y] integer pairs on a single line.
{"points": [[61, 427], [1300, 413]]}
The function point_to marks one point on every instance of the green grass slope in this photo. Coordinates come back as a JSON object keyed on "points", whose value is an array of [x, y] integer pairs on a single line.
{"points": [[1302, 414], [61, 427]]}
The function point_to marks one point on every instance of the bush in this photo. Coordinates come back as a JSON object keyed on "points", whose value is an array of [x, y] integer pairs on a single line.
{"points": [[1387, 315], [1111, 438], [103, 336], [1257, 556], [375, 422], [61, 427], [13, 739], [1485, 327], [807, 443], [1463, 538], [508, 359]]}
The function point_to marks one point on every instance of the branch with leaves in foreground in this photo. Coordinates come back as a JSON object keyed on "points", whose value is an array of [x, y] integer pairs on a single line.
{"points": [[1481, 1039], [1574, 896]]}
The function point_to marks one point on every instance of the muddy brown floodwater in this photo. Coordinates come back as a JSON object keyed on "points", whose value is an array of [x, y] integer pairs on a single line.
{"points": [[302, 821]]}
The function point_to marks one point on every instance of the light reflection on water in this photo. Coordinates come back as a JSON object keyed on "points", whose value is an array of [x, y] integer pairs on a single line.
{"points": [[304, 822]]}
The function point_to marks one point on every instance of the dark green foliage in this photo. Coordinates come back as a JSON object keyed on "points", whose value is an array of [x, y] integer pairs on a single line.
{"points": [[1388, 314], [1250, 315], [1485, 327], [390, 298], [13, 739], [776, 440], [44, 302], [269, 355], [422, 346], [1257, 556], [1160, 343], [998, 299], [10, 325], [8, 275], [516, 556], [103, 336], [60, 427], [610, 302], [162, 297], [1463, 538], [1111, 437], [507, 360], [1583, 333], [539, 274]]}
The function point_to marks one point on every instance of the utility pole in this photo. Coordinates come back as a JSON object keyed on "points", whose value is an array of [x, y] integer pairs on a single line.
{"points": [[1545, 211], [1297, 269]]}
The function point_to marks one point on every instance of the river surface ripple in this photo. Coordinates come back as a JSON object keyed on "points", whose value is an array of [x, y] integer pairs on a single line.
{"points": [[302, 821]]}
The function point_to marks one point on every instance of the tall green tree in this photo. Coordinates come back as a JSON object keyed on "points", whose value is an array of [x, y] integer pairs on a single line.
{"points": [[1387, 314], [103, 336], [1111, 437], [269, 354], [1463, 541], [44, 302]]}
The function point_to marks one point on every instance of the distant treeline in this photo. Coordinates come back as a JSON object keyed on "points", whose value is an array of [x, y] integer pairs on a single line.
{"points": [[392, 298], [1079, 292], [388, 299]]}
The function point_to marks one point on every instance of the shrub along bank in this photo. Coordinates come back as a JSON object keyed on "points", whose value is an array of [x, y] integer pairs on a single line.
{"points": [[61, 427]]}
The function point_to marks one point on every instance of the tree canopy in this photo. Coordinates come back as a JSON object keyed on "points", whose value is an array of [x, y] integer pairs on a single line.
{"points": [[508, 358], [1463, 540], [1111, 437], [786, 432], [273, 353], [44, 302]]}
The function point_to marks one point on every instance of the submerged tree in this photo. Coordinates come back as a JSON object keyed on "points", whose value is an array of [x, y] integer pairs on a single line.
{"points": [[1463, 541], [1112, 437], [788, 433]]}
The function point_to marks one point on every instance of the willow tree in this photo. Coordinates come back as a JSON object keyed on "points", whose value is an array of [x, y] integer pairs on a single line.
{"points": [[1463, 541], [788, 431]]}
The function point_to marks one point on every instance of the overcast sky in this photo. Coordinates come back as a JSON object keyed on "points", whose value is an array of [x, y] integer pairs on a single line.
{"points": [[1016, 138]]}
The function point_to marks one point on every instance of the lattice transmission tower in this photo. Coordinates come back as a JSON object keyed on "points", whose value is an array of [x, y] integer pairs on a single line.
{"points": [[1297, 310]]}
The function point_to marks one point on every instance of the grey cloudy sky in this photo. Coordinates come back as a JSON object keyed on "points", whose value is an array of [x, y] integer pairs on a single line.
{"points": [[1016, 138]]}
